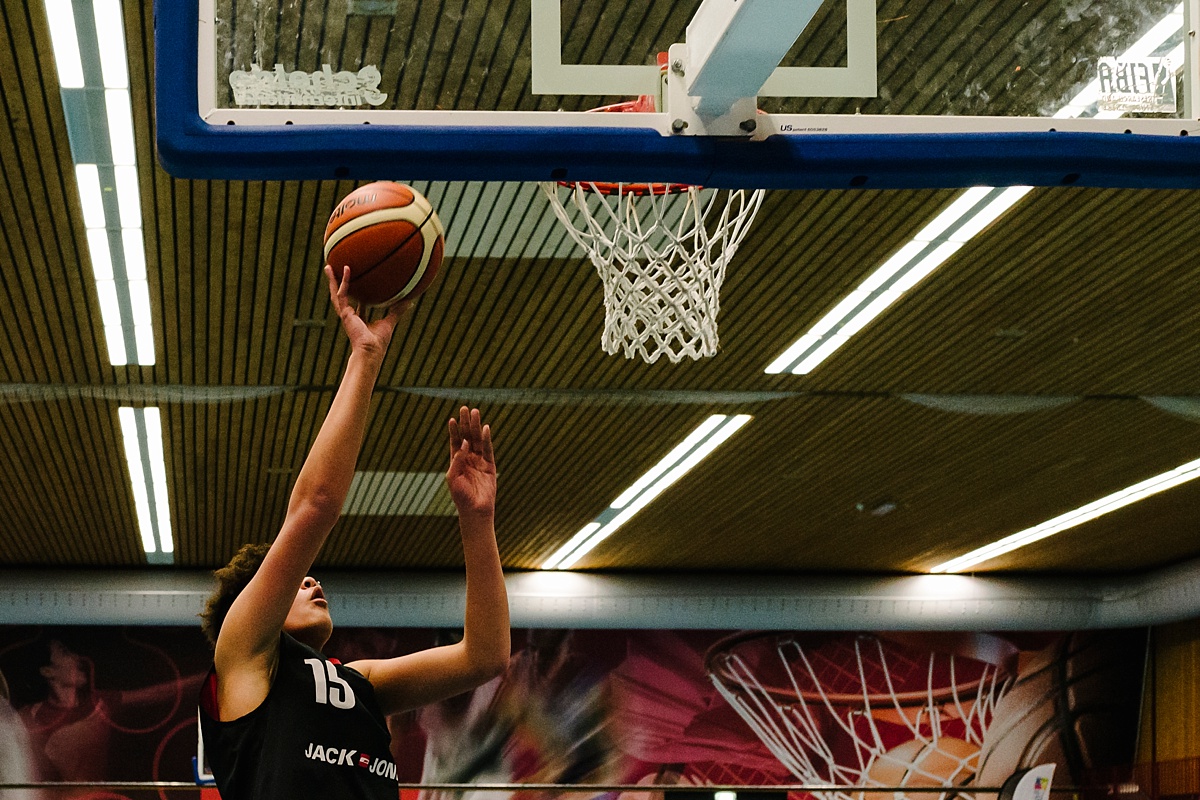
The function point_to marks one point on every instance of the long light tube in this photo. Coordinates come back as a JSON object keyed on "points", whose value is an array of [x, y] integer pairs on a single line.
{"points": [[970, 213], [1105, 505], [104, 147], [141, 434], [65, 41], [107, 143], [710, 435]]}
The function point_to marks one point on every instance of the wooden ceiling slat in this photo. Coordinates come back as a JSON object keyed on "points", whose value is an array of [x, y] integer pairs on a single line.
{"points": [[655, 32], [27, 176], [741, 506], [290, 262], [23, 543], [139, 21], [496, 41], [513, 90], [1047, 292], [928, 93], [244, 462], [270, 273], [452, 69], [239, 301], [52, 487]]}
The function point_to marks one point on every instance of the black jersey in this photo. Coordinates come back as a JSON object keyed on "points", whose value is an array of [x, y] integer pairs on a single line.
{"points": [[319, 734]]}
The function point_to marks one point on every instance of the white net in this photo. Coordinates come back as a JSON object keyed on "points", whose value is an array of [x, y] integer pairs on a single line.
{"points": [[843, 718], [662, 257]]}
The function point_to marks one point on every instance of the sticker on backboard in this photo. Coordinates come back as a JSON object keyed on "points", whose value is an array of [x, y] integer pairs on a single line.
{"points": [[280, 87], [1144, 86]]}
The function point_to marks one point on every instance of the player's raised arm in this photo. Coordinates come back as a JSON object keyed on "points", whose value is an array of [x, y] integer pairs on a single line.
{"points": [[430, 675], [247, 645]]}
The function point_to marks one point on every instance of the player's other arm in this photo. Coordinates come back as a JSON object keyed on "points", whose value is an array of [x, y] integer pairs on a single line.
{"points": [[440, 672], [247, 646]]}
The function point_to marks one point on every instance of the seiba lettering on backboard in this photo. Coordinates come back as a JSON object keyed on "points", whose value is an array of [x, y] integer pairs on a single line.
{"points": [[280, 87], [1145, 86]]}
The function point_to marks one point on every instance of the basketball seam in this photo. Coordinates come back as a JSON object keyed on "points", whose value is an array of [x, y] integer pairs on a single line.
{"points": [[426, 255], [366, 221], [397, 249], [375, 217]]}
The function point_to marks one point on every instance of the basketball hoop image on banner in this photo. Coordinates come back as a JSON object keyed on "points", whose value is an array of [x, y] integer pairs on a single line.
{"points": [[867, 710]]}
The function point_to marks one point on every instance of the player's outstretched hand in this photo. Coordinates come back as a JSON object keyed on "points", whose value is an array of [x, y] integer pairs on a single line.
{"points": [[370, 337], [472, 473]]}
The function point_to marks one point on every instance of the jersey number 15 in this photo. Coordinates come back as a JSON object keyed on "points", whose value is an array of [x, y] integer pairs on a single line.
{"points": [[332, 689]]}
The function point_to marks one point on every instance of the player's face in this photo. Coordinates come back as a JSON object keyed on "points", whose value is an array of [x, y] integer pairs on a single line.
{"points": [[309, 620]]}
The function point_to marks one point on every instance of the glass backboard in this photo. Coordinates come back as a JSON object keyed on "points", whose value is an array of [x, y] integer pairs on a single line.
{"points": [[853, 93]]}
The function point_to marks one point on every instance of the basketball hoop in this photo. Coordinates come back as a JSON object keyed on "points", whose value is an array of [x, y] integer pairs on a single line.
{"points": [[661, 250], [864, 710]]}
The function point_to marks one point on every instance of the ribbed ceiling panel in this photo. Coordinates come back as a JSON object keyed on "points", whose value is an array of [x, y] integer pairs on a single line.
{"points": [[1084, 294]]}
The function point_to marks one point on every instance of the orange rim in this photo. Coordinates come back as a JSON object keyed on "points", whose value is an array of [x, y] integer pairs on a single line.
{"points": [[644, 103]]}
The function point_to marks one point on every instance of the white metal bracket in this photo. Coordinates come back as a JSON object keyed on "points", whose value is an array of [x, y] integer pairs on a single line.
{"points": [[737, 117]]}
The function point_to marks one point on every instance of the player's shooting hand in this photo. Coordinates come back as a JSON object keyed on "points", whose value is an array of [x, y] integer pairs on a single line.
{"points": [[472, 474], [370, 337]]}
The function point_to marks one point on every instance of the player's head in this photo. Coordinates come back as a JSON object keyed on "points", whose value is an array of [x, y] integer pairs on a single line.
{"points": [[231, 579], [308, 619]]}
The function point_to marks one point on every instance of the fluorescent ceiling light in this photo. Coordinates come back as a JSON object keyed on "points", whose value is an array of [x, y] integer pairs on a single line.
{"points": [[114, 337], [989, 213], [668, 461], [124, 303], [128, 201], [143, 336], [139, 296], [919, 260], [110, 305], [134, 249], [699, 444], [158, 475], [952, 213], [574, 542], [110, 35], [1165, 29], [87, 176], [1098, 508], [102, 269], [134, 464], [970, 213], [65, 41], [141, 432], [120, 127]]}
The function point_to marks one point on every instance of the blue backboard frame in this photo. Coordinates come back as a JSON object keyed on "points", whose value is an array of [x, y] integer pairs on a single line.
{"points": [[190, 147]]}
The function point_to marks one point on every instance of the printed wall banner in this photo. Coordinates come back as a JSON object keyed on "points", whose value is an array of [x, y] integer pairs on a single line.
{"points": [[608, 706]]}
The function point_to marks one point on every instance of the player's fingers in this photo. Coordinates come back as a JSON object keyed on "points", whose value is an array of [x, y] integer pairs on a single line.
{"points": [[487, 443], [333, 284], [455, 437], [476, 427], [464, 422]]}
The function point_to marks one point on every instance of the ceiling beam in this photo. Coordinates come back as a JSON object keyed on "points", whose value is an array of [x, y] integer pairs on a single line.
{"points": [[697, 601]]}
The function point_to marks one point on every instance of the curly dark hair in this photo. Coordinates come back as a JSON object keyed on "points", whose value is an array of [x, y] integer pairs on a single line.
{"points": [[231, 579]]}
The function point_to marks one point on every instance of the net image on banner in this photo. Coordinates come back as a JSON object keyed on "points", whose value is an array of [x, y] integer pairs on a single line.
{"points": [[867, 710]]}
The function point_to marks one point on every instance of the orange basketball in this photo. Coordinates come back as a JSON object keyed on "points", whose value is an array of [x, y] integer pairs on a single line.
{"points": [[390, 237]]}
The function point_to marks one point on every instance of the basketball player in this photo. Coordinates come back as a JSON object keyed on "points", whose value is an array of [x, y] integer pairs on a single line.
{"points": [[280, 720]]}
